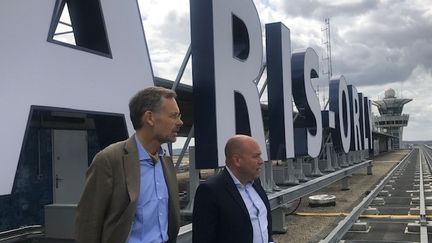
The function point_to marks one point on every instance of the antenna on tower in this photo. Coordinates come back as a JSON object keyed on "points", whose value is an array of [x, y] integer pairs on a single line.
{"points": [[327, 55], [327, 44]]}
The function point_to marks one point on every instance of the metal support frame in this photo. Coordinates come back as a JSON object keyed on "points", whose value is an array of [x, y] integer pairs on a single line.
{"points": [[356, 157], [291, 180], [288, 195], [185, 146], [335, 158], [174, 87], [279, 220], [185, 234], [328, 156], [284, 174], [343, 160], [344, 225], [261, 92], [182, 67], [67, 24], [423, 161], [345, 183], [369, 170], [193, 183], [266, 176], [350, 158], [22, 233], [298, 165], [315, 170], [63, 33], [263, 68]]}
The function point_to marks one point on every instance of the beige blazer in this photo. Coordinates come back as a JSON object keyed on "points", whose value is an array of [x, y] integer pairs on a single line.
{"points": [[107, 206]]}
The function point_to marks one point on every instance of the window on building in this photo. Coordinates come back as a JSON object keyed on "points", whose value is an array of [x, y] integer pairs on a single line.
{"points": [[80, 24]]}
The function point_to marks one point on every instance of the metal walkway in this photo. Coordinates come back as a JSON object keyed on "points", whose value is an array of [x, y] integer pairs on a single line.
{"points": [[397, 210]]}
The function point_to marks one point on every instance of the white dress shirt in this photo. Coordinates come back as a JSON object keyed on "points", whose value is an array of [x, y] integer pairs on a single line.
{"points": [[256, 208]]}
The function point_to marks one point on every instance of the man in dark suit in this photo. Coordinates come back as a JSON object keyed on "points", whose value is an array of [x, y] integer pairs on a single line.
{"points": [[232, 207], [131, 192]]}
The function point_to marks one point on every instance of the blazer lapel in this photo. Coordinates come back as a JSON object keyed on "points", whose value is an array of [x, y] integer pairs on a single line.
{"points": [[132, 168], [168, 174], [173, 198], [233, 191]]}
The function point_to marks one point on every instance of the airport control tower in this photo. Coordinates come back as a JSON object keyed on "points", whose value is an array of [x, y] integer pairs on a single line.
{"points": [[391, 119]]}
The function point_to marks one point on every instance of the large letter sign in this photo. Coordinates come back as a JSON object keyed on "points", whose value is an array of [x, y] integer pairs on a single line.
{"points": [[355, 118], [226, 59], [34, 71], [304, 68], [227, 56], [363, 145], [367, 104], [280, 108], [339, 104]]}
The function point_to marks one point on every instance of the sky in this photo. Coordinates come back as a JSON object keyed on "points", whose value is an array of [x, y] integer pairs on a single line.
{"points": [[376, 45]]}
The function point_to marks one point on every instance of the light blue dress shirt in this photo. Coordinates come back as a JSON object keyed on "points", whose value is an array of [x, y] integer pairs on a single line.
{"points": [[256, 208], [151, 216]]}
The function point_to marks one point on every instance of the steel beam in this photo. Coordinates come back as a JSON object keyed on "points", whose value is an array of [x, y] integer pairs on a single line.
{"points": [[292, 193], [423, 221]]}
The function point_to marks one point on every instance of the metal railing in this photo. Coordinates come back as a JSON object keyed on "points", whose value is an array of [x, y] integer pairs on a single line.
{"points": [[349, 220], [21, 233], [423, 220]]}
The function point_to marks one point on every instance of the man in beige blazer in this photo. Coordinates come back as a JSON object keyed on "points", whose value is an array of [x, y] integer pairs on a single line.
{"points": [[131, 192]]}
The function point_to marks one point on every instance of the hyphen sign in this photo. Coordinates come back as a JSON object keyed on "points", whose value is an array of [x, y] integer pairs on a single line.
{"points": [[227, 56]]}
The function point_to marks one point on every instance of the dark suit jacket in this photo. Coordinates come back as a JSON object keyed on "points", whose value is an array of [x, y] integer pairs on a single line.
{"points": [[107, 206], [219, 213]]}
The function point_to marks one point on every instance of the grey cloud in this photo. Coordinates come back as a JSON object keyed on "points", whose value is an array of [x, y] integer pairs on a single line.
{"points": [[173, 33], [394, 40], [317, 10]]}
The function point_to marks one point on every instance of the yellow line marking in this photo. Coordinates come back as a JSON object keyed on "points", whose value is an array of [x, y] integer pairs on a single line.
{"points": [[321, 214], [378, 216]]}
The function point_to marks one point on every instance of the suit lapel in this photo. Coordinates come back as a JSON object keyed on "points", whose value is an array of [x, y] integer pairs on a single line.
{"points": [[173, 200], [233, 191], [132, 168], [169, 180]]}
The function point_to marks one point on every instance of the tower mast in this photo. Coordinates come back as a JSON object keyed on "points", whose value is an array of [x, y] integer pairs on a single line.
{"points": [[327, 44], [327, 55]]}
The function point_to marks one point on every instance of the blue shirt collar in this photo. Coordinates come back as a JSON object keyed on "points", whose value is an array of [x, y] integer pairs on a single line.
{"points": [[142, 152], [237, 181]]}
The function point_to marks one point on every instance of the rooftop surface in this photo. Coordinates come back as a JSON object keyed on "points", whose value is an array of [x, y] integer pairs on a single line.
{"points": [[316, 226]]}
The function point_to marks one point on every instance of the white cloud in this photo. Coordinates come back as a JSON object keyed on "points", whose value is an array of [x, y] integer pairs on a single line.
{"points": [[167, 27]]}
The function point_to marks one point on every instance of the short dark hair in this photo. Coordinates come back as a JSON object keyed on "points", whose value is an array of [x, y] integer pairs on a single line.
{"points": [[148, 99]]}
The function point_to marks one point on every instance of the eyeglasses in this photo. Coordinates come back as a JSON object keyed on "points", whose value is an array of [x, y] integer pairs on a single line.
{"points": [[172, 115], [175, 115]]}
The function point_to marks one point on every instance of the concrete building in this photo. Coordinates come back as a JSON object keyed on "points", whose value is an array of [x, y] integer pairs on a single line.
{"points": [[391, 119]]}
